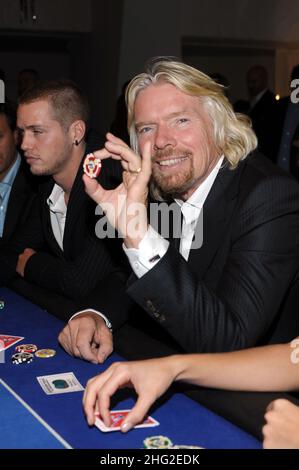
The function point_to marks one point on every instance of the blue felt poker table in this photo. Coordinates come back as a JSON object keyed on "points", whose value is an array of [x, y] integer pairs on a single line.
{"points": [[30, 419]]}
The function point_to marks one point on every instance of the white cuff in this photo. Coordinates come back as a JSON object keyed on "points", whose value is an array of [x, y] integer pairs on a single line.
{"points": [[150, 250], [108, 323]]}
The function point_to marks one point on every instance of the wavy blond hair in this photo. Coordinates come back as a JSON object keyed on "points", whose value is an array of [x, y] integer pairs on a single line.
{"points": [[233, 134]]}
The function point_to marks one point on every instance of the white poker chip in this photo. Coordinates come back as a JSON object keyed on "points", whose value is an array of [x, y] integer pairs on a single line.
{"points": [[92, 165], [157, 442], [22, 358]]}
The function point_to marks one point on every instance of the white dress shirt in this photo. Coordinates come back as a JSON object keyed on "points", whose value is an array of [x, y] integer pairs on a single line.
{"points": [[153, 246], [58, 210]]}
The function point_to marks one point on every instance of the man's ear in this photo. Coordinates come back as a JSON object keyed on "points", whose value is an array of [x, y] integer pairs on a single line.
{"points": [[78, 129]]}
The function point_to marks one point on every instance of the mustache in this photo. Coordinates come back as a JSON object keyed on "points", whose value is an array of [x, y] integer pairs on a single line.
{"points": [[164, 153]]}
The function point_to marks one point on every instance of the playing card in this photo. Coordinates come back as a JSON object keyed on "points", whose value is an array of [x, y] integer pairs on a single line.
{"points": [[6, 341], [60, 383], [117, 418]]}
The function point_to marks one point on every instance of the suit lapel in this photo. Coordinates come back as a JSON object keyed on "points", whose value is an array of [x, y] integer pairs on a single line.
{"points": [[76, 205], [213, 223]]}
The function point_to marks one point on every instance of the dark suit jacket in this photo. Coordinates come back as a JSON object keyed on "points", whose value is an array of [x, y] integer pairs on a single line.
{"points": [[21, 200], [236, 291], [87, 273], [289, 134], [282, 106]]}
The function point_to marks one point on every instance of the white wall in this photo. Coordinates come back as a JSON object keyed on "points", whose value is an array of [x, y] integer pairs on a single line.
{"points": [[272, 24], [149, 28], [159, 27], [272, 20], [234, 68]]}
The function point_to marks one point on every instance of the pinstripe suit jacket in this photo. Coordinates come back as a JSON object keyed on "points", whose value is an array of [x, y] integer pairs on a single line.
{"points": [[239, 289]]}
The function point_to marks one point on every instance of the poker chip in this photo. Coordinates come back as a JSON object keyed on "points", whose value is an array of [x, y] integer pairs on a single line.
{"points": [[157, 442], [92, 166], [44, 353], [22, 358], [28, 348]]}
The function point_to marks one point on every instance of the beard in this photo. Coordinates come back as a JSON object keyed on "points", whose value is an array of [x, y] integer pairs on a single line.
{"points": [[168, 187], [45, 171], [50, 168]]}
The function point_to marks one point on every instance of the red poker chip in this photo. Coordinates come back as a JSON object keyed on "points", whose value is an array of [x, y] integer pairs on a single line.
{"points": [[92, 166], [26, 348]]}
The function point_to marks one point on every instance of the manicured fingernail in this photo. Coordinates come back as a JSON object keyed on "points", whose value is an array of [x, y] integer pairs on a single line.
{"points": [[125, 427]]}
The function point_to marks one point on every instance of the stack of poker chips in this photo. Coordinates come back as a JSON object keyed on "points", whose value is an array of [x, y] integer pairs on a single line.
{"points": [[25, 353], [22, 358]]}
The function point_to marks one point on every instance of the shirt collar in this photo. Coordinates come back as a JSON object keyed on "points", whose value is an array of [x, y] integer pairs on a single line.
{"points": [[56, 201]]}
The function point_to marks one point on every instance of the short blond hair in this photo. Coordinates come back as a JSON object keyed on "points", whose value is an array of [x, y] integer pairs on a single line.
{"points": [[233, 133]]}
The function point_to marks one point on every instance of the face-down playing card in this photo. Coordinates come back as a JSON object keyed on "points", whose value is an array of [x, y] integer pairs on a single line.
{"points": [[118, 417], [6, 341]]}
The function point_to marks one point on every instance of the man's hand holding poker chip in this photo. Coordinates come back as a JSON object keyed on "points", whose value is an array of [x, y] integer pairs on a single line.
{"points": [[87, 337], [124, 206]]}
